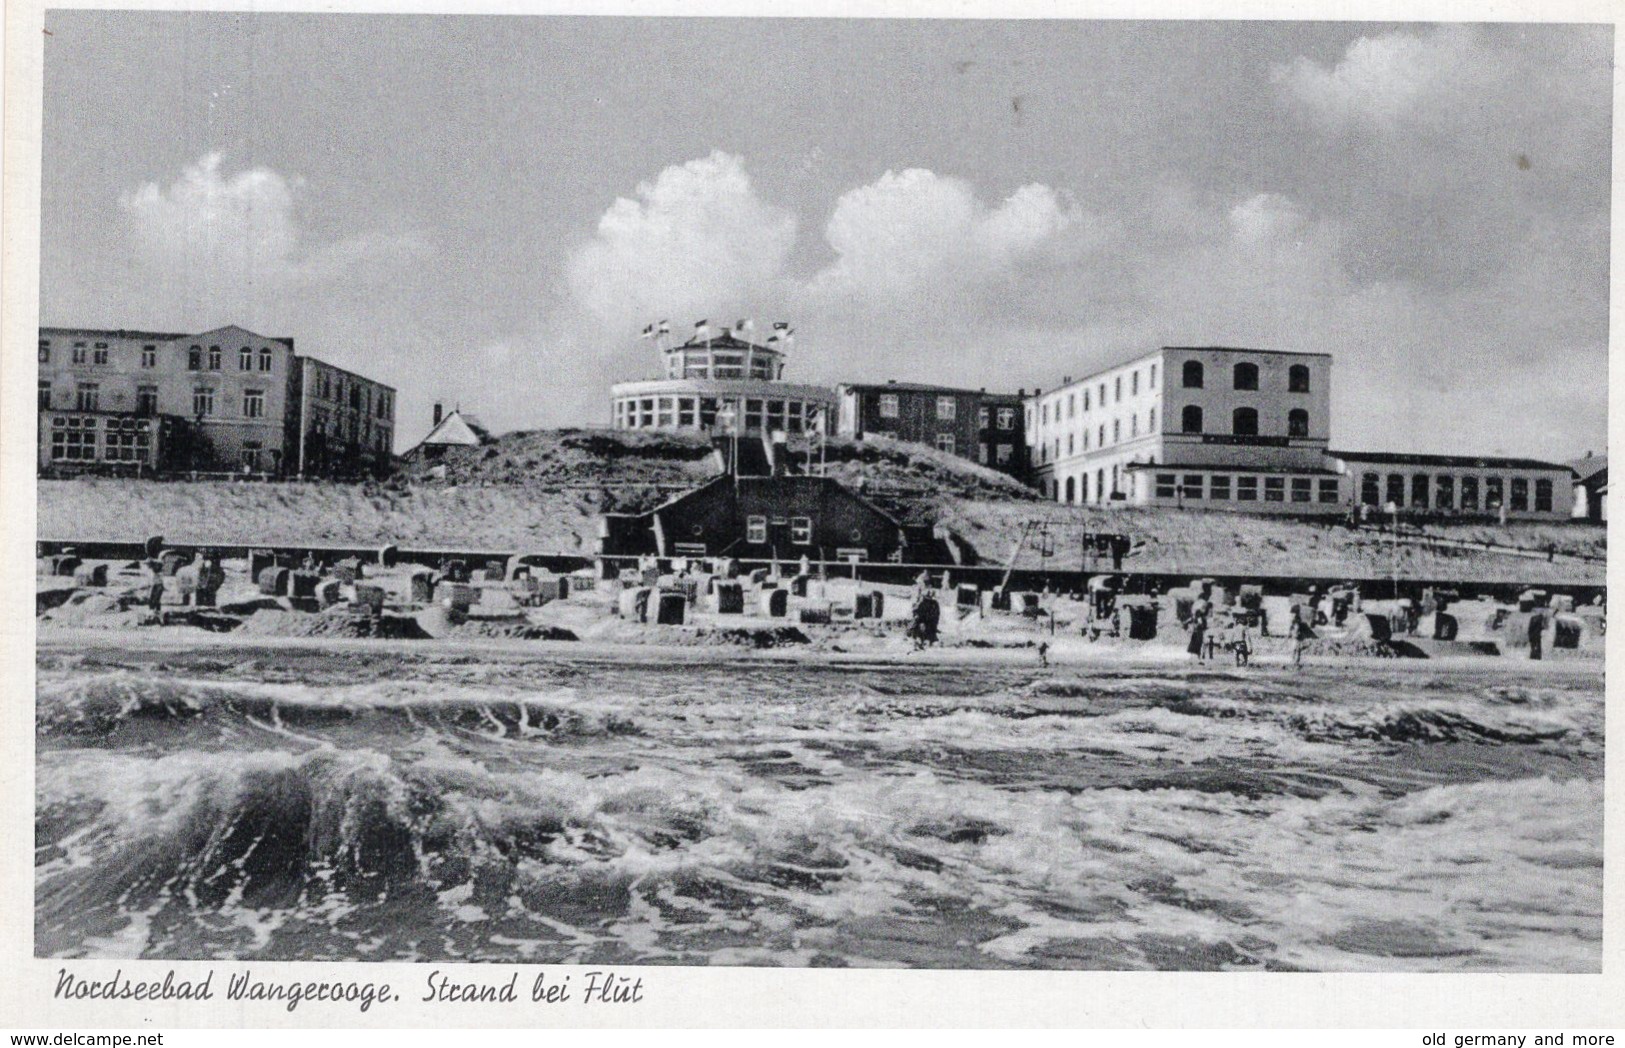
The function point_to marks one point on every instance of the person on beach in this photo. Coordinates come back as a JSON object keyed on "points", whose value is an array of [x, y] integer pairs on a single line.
{"points": [[1300, 639], [1043, 653], [1536, 628], [1242, 645], [1198, 636]]}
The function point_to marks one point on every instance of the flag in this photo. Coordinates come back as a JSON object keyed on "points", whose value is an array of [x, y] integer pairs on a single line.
{"points": [[665, 328], [745, 325], [648, 331], [703, 330]]}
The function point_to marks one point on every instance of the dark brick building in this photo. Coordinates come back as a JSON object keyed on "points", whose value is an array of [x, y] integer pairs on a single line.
{"points": [[984, 427]]}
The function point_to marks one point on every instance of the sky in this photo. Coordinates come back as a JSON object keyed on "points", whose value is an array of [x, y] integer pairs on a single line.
{"points": [[486, 210]]}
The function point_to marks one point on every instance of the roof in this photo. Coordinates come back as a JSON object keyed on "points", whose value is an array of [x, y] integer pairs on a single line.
{"points": [[456, 428], [1205, 467], [156, 336], [920, 387], [347, 371], [1457, 461], [726, 340], [1590, 466]]}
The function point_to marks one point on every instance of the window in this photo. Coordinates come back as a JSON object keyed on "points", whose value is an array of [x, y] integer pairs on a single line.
{"points": [[44, 351], [44, 395], [1151, 422], [149, 356], [1302, 489], [1192, 373], [984, 417], [756, 530], [1191, 488], [1244, 422], [1492, 493], [1218, 488], [146, 400], [1444, 491], [1102, 397], [981, 453], [253, 403], [888, 405], [1274, 489], [1543, 496], [1297, 378], [1520, 495], [202, 401], [1327, 486], [1003, 454], [1246, 489], [1007, 418], [214, 358], [1134, 425], [1071, 489], [1152, 383], [1117, 390], [73, 439], [1469, 493], [1297, 423], [1396, 488], [245, 359], [265, 358], [1070, 448], [1072, 405], [250, 455], [1086, 400], [1100, 436], [194, 358], [1165, 485], [1370, 489], [1190, 418], [1245, 375], [945, 442], [1134, 382], [1043, 412], [1117, 430], [99, 353], [801, 530], [945, 407], [79, 350], [88, 397], [1419, 491]]}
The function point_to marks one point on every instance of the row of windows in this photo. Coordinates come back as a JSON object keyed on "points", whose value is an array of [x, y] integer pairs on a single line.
{"points": [[1000, 454], [333, 387], [203, 402], [1217, 488], [687, 412], [1052, 449], [800, 530], [79, 444], [1244, 421], [1450, 491], [1244, 376], [1074, 399], [245, 358]]}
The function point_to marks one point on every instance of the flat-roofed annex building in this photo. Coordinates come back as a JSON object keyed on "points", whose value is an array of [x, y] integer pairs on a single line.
{"points": [[984, 427], [1456, 485], [1186, 425], [708, 381]]}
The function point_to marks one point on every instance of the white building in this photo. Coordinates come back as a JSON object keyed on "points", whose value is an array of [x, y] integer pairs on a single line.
{"points": [[1244, 428], [713, 384]]}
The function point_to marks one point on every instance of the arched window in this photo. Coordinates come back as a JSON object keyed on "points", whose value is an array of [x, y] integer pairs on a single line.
{"points": [[265, 358], [214, 358], [1297, 378], [1246, 376], [1100, 485], [1071, 490], [194, 358], [1083, 487], [1190, 419], [1244, 422], [1193, 374], [1297, 423]]}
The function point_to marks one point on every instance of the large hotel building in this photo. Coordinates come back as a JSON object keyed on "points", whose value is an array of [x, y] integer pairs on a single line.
{"points": [[717, 384], [1247, 430], [226, 400]]}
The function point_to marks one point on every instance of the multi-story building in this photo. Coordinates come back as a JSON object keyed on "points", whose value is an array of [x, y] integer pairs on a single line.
{"points": [[975, 424], [235, 396], [347, 421], [722, 384], [1246, 430]]}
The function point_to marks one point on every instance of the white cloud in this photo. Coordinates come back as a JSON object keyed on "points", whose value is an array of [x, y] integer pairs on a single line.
{"points": [[919, 232], [1388, 81], [223, 236], [697, 239]]}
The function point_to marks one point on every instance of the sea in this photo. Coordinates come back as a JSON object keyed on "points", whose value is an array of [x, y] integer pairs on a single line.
{"points": [[391, 803]]}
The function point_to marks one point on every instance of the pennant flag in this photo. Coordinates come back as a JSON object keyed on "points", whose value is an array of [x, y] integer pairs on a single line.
{"points": [[745, 325], [648, 331], [665, 327], [702, 329], [779, 325]]}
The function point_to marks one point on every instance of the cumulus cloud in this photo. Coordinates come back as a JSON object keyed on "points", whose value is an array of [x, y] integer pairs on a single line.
{"points": [[917, 231], [696, 239], [1388, 81], [222, 235]]}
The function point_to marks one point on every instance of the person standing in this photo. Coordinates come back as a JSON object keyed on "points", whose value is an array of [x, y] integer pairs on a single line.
{"points": [[1198, 635], [1300, 640], [1043, 653], [1536, 629]]}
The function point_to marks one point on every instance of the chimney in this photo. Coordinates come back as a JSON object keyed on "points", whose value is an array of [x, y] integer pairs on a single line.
{"points": [[1067, 381], [891, 382], [438, 411]]}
